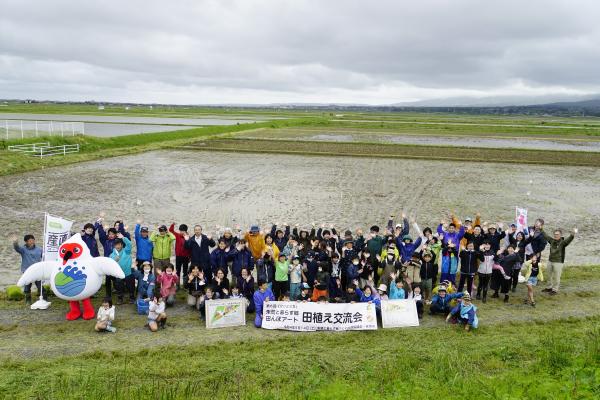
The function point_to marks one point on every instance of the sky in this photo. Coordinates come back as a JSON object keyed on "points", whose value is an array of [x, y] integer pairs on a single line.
{"points": [[297, 51]]}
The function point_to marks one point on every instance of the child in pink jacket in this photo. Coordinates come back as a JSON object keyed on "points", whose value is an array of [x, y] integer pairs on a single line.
{"points": [[168, 281]]}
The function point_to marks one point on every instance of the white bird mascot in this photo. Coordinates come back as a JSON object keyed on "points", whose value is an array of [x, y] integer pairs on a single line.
{"points": [[76, 276]]}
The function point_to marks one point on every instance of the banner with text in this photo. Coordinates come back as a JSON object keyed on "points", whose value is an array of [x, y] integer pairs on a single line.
{"points": [[399, 313], [56, 231], [299, 316], [227, 312]]}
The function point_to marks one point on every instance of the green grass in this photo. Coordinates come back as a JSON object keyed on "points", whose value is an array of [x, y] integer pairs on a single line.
{"points": [[95, 147], [550, 352], [382, 150]]}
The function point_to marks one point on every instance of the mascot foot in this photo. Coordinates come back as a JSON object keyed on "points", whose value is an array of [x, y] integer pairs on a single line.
{"points": [[75, 311], [88, 309]]}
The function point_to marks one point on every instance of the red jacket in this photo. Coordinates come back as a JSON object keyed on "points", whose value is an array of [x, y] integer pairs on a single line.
{"points": [[180, 250]]}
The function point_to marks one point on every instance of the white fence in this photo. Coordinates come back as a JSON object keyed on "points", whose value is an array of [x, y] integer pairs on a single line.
{"points": [[44, 149], [21, 129]]}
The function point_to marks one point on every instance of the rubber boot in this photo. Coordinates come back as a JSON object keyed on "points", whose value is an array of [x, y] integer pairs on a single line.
{"points": [[162, 323], [88, 309], [28, 299], [75, 311], [506, 298]]}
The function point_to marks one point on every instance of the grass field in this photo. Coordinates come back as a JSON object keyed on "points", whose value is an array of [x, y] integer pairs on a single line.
{"points": [[550, 352]]}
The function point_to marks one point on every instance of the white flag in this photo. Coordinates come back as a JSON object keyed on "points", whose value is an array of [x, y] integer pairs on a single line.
{"points": [[521, 219], [56, 231]]}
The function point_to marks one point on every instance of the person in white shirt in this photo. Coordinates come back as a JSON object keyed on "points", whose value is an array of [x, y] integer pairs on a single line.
{"points": [[106, 315], [156, 313]]}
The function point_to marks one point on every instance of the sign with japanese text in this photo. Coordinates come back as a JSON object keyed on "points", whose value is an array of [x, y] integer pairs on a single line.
{"points": [[56, 231], [300, 316]]}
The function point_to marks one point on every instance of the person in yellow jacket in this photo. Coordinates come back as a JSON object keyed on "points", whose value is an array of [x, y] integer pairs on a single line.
{"points": [[256, 242], [163, 245], [534, 272]]}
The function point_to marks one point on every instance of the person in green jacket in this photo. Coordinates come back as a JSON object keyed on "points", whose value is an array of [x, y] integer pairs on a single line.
{"points": [[281, 283], [556, 260], [375, 243], [163, 245]]}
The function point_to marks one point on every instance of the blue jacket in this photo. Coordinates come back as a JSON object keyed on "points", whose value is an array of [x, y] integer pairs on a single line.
{"points": [[371, 298], [456, 237], [241, 259], [352, 272], [468, 313], [200, 255], [29, 255], [394, 293], [283, 241], [124, 256], [442, 303], [259, 299], [143, 245], [407, 249], [265, 271], [145, 288], [218, 260], [90, 241]]}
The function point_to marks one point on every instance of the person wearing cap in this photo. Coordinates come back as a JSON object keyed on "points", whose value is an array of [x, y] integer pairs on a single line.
{"points": [[262, 295], [256, 242], [382, 292], [495, 235], [440, 302], [199, 246], [146, 281], [163, 243], [398, 230], [182, 254], [121, 253], [143, 244], [304, 292], [465, 313], [468, 226]]}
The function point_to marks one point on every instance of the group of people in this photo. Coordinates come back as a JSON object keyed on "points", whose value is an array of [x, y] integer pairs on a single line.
{"points": [[400, 261]]}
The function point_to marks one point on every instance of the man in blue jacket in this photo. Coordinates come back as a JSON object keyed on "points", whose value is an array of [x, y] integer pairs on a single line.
{"points": [[263, 294], [440, 303], [30, 254], [199, 246], [143, 244], [241, 258]]}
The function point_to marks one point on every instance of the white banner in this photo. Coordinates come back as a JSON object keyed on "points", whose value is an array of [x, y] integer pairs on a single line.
{"points": [[399, 313], [227, 312], [299, 316], [56, 231], [521, 219]]}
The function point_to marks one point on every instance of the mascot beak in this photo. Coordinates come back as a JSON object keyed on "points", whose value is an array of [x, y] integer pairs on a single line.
{"points": [[67, 256]]}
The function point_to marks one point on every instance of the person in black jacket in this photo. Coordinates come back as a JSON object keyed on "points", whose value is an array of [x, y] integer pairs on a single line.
{"points": [[469, 262], [195, 285], [494, 236], [199, 246], [246, 287], [536, 238], [429, 270], [501, 279], [280, 237]]}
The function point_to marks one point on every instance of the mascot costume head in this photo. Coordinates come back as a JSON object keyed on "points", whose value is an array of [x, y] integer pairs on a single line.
{"points": [[75, 276]]}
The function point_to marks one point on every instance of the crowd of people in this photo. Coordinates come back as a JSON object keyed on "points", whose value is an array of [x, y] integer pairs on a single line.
{"points": [[442, 269]]}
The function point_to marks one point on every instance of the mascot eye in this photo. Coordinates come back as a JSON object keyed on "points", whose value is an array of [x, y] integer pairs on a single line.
{"points": [[76, 250], [62, 251]]}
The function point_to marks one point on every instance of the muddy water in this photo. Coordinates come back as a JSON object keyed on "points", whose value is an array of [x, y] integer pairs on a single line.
{"points": [[228, 189], [495, 143]]}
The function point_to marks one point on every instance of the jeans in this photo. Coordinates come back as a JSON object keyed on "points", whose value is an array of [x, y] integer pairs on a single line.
{"points": [[294, 291]]}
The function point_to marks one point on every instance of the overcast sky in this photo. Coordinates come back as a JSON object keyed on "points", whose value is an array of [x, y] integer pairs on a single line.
{"points": [[246, 51]]}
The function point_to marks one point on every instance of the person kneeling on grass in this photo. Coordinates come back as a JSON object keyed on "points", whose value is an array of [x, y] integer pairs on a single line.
{"points": [[465, 313], [440, 303], [168, 281], [262, 295], [106, 315], [156, 313], [533, 273]]}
